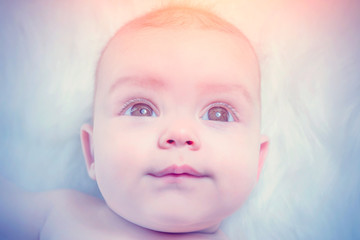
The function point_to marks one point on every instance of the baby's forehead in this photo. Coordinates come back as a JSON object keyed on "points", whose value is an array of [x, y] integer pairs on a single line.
{"points": [[183, 21], [164, 43]]}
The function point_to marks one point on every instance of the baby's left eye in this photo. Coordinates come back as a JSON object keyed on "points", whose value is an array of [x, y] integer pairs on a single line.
{"points": [[218, 114], [140, 110]]}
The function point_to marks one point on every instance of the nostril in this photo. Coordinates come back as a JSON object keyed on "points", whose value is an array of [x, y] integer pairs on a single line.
{"points": [[173, 142]]}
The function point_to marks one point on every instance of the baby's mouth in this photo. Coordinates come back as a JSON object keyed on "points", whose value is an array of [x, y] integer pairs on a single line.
{"points": [[178, 171]]}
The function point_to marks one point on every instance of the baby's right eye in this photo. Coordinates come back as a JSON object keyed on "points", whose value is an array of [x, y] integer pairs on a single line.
{"points": [[140, 110]]}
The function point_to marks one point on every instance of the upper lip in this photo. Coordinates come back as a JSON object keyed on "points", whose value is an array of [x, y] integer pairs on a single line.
{"points": [[177, 170]]}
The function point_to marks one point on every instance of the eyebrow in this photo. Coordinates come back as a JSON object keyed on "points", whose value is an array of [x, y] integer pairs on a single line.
{"points": [[205, 88], [137, 81], [225, 88]]}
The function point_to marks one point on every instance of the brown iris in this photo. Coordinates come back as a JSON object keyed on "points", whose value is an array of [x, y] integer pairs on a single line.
{"points": [[142, 110], [218, 114]]}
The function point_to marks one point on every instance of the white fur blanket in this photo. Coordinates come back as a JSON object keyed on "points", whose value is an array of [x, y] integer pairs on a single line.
{"points": [[310, 58]]}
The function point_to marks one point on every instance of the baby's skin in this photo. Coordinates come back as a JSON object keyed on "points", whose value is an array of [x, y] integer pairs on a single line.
{"points": [[175, 143]]}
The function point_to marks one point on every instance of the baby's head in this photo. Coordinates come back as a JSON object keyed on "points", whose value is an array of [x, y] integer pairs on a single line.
{"points": [[175, 144]]}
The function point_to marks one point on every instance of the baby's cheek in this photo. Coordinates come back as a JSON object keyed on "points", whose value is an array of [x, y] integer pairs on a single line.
{"points": [[237, 168]]}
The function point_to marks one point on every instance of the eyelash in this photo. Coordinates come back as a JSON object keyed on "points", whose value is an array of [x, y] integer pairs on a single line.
{"points": [[132, 102]]}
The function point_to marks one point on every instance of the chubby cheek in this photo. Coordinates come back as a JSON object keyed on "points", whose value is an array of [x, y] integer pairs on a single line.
{"points": [[236, 166], [121, 154]]}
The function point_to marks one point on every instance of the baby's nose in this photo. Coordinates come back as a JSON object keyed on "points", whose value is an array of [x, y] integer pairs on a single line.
{"points": [[179, 137]]}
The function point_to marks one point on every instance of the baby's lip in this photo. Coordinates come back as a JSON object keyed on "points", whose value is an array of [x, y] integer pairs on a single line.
{"points": [[175, 170]]}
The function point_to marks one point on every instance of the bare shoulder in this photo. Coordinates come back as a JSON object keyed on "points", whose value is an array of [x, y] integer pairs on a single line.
{"points": [[76, 215], [22, 212]]}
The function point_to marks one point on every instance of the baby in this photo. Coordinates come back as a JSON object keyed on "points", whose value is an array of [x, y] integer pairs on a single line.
{"points": [[175, 144]]}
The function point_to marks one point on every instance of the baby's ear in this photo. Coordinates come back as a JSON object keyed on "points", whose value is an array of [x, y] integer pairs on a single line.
{"points": [[264, 147], [87, 147]]}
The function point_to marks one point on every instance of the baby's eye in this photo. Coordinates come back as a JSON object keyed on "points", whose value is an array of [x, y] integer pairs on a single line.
{"points": [[140, 110], [218, 114]]}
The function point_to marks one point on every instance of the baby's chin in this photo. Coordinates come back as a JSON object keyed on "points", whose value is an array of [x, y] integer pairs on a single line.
{"points": [[176, 225], [177, 217]]}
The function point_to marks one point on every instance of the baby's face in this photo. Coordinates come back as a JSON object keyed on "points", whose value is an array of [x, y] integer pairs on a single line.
{"points": [[176, 134]]}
